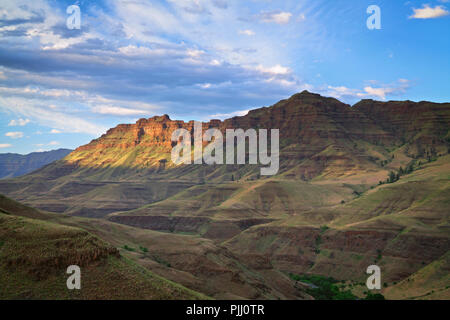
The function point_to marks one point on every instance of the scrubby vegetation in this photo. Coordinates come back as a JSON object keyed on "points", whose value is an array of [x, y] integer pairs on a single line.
{"points": [[324, 288], [128, 248], [328, 288], [394, 177]]}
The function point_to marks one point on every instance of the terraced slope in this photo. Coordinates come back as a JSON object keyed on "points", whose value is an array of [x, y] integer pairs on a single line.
{"points": [[402, 227], [321, 139], [357, 186]]}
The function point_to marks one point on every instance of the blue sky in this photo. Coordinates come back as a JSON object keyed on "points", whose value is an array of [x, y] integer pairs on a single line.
{"points": [[203, 59]]}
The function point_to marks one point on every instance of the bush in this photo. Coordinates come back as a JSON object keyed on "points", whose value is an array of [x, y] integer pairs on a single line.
{"points": [[327, 287], [374, 296], [143, 249], [128, 248]]}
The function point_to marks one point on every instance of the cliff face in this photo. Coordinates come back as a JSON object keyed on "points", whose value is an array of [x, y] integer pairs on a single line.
{"points": [[318, 136], [301, 118]]}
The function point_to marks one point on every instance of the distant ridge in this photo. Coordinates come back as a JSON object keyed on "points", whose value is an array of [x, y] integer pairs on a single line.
{"points": [[14, 165]]}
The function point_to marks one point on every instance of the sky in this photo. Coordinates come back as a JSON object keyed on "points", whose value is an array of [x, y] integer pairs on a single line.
{"points": [[61, 87]]}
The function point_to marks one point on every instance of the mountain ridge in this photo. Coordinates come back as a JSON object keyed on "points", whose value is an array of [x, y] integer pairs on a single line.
{"points": [[14, 164]]}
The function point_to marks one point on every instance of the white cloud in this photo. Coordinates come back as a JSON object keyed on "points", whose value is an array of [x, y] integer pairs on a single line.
{"points": [[51, 143], [247, 32], [428, 12], [223, 116], [55, 131], [33, 103], [5, 145], [205, 85], [379, 92], [117, 111], [275, 70], [38, 111], [20, 122], [276, 17], [14, 135], [138, 17], [341, 91], [194, 53], [382, 91], [376, 92]]}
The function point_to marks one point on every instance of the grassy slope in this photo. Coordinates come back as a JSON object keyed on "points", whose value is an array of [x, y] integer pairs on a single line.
{"points": [[193, 261], [184, 259], [34, 255], [430, 282], [401, 226]]}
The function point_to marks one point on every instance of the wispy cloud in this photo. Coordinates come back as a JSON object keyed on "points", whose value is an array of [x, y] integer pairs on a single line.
{"points": [[247, 32], [279, 17], [5, 145], [223, 116], [117, 111], [20, 122], [370, 91], [37, 110], [14, 135]]}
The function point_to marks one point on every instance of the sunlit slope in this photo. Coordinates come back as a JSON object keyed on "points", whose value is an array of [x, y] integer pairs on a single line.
{"points": [[321, 139]]}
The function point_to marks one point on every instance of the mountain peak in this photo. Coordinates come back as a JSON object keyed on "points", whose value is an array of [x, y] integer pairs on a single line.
{"points": [[305, 95], [163, 118]]}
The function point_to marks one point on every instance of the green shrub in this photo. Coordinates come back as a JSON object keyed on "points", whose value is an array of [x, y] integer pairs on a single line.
{"points": [[128, 248], [143, 249], [374, 296]]}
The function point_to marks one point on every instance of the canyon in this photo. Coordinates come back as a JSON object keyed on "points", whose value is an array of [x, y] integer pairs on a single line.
{"points": [[228, 232]]}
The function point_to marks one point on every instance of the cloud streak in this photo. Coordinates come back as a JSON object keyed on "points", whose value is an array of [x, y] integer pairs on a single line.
{"points": [[14, 134]]}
